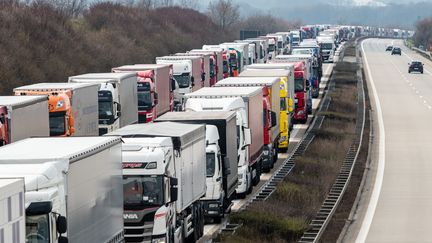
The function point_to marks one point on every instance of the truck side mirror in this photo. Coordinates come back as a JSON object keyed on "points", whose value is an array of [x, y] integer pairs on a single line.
{"points": [[63, 239], [203, 76], [174, 189], [273, 119], [2, 118], [61, 224], [227, 170], [192, 81], [156, 98], [247, 137], [118, 107], [173, 84]]}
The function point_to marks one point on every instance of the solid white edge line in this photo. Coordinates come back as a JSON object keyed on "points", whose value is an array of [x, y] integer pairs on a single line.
{"points": [[373, 202]]}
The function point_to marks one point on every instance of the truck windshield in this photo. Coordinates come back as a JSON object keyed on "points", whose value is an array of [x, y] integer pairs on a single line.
{"points": [[105, 109], [183, 80], [327, 46], [143, 191], [299, 84], [271, 47], [57, 123], [225, 66], [145, 99], [283, 104], [37, 229], [295, 39], [211, 164]]}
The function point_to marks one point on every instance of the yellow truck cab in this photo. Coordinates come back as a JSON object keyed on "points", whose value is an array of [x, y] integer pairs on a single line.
{"points": [[286, 98]]}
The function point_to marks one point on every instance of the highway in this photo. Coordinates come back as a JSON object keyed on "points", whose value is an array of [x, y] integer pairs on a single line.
{"points": [[399, 198]]}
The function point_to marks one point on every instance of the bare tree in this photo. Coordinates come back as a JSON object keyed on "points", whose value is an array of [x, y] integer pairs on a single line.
{"points": [[146, 4], [224, 13], [163, 3], [193, 4], [70, 8]]}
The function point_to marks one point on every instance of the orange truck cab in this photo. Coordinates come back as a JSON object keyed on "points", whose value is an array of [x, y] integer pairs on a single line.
{"points": [[61, 121]]}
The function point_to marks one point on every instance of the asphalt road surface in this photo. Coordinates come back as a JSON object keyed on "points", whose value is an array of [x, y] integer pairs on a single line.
{"points": [[399, 197]]}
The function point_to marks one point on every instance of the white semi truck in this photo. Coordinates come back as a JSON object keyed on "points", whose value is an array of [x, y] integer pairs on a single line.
{"points": [[187, 71], [117, 98], [249, 126], [221, 157], [73, 187], [164, 178], [23, 117], [12, 216]]}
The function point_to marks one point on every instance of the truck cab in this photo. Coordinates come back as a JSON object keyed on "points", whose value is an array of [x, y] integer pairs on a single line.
{"points": [[109, 107], [301, 113], [147, 96], [61, 120]]}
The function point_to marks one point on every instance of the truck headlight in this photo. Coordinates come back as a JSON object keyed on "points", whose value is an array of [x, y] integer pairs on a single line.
{"points": [[159, 240]]}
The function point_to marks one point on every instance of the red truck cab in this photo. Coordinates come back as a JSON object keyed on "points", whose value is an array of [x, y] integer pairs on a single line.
{"points": [[301, 114], [147, 96]]}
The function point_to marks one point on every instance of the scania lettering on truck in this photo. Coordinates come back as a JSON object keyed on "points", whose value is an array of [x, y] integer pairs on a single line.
{"points": [[23, 117], [164, 178], [271, 103], [286, 103], [117, 98], [205, 66], [291, 93], [249, 116], [221, 157], [155, 89], [12, 215], [216, 63], [187, 71], [73, 187], [72, 107]]}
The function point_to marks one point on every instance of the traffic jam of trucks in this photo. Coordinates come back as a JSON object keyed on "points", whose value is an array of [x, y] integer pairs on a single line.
{"points": [[153, 152]]}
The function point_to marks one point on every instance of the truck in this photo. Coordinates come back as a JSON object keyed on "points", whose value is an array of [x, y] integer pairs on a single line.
{"points": [[286, 88], [272, 46], [271, 103], [155, 89], [187, 71], [164, 179], [280, 43], [304, 70], [73, 108], [312, 73], [225, 58], [295, 38], [216, 59], [259, 49], [242, 50], [73, 187], [251, 115], [12, 216], [117, 98], [291, 93], [23, 117], [206, 67], [221, 157], [328, 47]]}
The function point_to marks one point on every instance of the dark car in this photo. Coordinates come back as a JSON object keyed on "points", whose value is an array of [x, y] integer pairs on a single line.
{"points": [[389, 48], [396, 51], [415, 66]]}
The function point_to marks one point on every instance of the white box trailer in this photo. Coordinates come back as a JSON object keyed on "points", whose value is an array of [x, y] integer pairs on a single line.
{"points": [[172, 152], [74, 182], [83, 107], [23, 117], [253, 99], [117, 98], [12, 215]]}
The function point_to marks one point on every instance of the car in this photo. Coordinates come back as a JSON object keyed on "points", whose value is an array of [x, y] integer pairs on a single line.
{"points": [[396, 50], [389, 48], [415, 66]]}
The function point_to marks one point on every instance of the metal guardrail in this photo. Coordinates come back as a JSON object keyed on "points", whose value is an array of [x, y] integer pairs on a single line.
{"points": [[329, 207], [426, 53]]}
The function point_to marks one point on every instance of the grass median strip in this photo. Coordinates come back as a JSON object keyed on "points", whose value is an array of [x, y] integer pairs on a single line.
{"points": [[287, 213]]}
